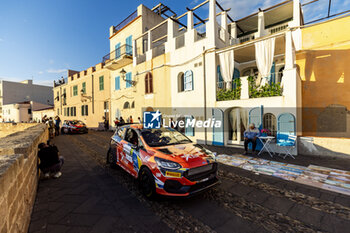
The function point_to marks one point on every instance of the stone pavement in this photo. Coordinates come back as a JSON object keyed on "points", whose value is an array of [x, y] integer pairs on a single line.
{"points": [[86, 199]]}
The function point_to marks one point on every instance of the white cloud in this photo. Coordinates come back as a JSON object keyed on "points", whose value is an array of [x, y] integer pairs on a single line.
{"points": [[56, 71], [40, 72]]}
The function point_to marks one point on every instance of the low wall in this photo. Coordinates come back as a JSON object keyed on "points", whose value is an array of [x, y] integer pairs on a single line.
{"points": [[19, 176], [322, 146], [10, 128]]}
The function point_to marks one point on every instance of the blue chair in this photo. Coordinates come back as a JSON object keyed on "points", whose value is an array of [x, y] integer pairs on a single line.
{"points": [[288, 145]]}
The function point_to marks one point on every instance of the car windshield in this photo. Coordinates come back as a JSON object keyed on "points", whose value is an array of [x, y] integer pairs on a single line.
{"points": [[77, 123], [163, 137]]}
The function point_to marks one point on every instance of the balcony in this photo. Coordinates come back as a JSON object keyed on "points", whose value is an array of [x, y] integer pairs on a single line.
{"points": [[118, 58], [247, 88]]}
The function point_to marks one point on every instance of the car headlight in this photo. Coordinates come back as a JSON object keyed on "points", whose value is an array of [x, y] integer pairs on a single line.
{"points": [[163, 163]]}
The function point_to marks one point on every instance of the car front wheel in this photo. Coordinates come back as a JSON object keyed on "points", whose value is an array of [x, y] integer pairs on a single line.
{"points": [[110, 159], [147, 184]]}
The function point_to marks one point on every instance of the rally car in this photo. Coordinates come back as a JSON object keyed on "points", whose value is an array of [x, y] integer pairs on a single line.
{"points": [[74, 126], [165, 161]]}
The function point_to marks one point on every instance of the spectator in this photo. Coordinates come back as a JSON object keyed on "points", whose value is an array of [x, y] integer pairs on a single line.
{"points": [[51, 127], [139, 119], [131, 120], [250, 135], [122, 122], [116, 122], [106, 124], [50, 162], [57, 125], [44, 119]]}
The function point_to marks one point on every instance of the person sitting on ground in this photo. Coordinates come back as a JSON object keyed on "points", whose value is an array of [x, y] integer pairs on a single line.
{"points": [[50, 162], [250, 135]]}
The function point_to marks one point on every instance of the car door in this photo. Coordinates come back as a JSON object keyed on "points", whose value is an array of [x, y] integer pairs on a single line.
{"points": [[130, 150]]}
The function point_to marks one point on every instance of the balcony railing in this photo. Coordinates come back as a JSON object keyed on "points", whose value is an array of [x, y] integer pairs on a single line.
{"points": [[248, 88], [124, 50], [125, 22], [278, 28]]}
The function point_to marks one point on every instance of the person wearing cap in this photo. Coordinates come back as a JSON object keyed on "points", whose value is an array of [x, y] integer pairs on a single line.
{"points": [[251, 135]]}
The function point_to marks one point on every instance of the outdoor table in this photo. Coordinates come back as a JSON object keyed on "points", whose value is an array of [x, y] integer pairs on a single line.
{"points": [[266, 141]]}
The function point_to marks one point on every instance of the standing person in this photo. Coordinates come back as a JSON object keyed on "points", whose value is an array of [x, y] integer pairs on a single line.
{"points": [[139, 119], [131, 120], [122, 122], [57, 125], [251, 135], [106, 123], [50, 162], [44, 119], [116, 122], [51, 127]]}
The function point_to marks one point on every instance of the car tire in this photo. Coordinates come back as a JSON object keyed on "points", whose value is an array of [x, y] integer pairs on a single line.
{"points": [[110, 159], [147, 184]]}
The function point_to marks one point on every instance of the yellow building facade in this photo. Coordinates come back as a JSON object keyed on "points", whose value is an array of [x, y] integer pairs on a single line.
{"points": [[325, 73], [84, 96]]}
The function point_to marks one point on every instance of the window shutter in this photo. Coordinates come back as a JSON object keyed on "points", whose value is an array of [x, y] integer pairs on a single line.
{"points": [[128, 80], [117, 83], [150, 81], [128, 43], [117, 51], [146, 83]]}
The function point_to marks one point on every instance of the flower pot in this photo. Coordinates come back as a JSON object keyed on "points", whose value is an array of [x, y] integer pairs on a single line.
{"points": [[264, 134]]}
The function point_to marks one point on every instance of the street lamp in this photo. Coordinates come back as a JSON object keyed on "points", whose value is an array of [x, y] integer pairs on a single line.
{"points": [[123, 74]]}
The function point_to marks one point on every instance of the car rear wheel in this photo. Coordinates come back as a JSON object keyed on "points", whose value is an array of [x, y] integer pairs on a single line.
{"points": [[147, 184], [110, 159]]}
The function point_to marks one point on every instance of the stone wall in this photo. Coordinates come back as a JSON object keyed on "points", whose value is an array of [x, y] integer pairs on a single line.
{"points": [[19, 177], [10, 128]]}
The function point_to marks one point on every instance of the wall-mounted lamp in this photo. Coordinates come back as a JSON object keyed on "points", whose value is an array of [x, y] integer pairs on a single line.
{"points": [[123, 76]]}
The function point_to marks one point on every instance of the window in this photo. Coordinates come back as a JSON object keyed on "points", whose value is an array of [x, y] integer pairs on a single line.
{"points": [[73, 111], [128, 44], [83, 87], [64, 97], [131, 137], [64, 112], [148, 83], [84, 110], [58, 111], [58, 96], [220, 80], [180, 82], [188, 81], [75, 90], [126, 105], [189, 131], [117, 83], [68, 111], [29, 111], [101, 83], [270, 123], [128, 80], [133, 104]]}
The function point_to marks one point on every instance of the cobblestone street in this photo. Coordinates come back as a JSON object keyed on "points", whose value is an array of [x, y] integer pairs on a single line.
{"points": [[92, 197]]}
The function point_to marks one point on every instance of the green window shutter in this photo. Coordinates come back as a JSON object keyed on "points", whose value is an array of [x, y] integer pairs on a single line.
{"points": [[75, 90], [84, 87], [101, 83], [86, 110]]}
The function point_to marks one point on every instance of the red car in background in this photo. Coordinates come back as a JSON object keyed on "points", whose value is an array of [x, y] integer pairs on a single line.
{"points": [[165, 161], [73, 126]]}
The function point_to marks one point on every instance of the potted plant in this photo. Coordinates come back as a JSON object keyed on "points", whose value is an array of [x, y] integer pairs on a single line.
{"points": [[265, 132]]}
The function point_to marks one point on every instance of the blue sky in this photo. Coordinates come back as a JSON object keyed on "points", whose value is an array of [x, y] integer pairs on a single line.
{"points": [[41, 39]]}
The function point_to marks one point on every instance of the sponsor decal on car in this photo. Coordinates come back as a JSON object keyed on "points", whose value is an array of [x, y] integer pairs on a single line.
{"points": [[173, 174]]}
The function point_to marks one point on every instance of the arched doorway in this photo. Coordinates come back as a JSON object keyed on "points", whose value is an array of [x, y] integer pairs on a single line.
{"points": [[236, 123]]}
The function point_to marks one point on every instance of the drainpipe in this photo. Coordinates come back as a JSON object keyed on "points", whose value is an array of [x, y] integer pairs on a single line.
{"points": [[205, 96], [93, 98]]}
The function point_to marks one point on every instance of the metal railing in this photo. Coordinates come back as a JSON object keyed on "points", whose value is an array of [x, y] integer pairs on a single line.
{"points": [[118, 53], [125, 22], [201, 31], [180, 41], [246, 38], [278, 28]]}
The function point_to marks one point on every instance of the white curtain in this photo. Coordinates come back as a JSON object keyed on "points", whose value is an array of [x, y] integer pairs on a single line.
{"points": [[264, 52], [233, 121], [227, 65], [244, 117]]}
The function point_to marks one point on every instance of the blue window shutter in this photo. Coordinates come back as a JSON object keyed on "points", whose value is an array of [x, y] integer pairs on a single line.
{"points": [[218, 133], [128, 80], [117, 83], [128, 42], [272, 78], [236, 75], [220, 79], [117, 51]]}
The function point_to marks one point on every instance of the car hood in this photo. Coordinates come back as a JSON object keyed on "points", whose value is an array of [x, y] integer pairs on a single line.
{"points": [[188, 155]]}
